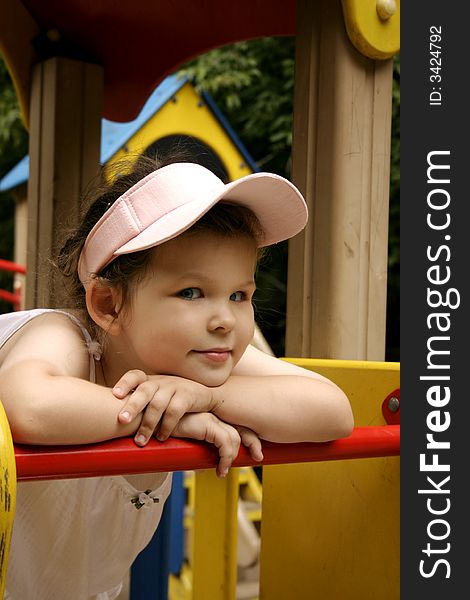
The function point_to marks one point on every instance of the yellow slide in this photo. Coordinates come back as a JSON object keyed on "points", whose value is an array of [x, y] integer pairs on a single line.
{"points": [[7, 495]]}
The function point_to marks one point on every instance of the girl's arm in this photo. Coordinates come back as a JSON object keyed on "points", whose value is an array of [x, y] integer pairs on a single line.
{"points": [[279, 401], [282, 402], [45, 390]]}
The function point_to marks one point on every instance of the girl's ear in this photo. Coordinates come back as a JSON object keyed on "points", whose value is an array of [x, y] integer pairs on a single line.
{"points": [[103, 304]]}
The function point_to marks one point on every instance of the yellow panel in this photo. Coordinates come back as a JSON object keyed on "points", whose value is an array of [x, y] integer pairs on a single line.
{"points": [[372, 36], [7, 494], [187, 114], [365, 382], [331, 530], [181, 588]]}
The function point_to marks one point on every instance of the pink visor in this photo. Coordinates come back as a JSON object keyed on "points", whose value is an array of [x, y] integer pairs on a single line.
{"points": [[171, 199]]}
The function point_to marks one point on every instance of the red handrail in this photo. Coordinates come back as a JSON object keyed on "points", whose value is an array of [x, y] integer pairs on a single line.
{"points": [[12, 267], [13, 298], [123, 456], [10, 297]]}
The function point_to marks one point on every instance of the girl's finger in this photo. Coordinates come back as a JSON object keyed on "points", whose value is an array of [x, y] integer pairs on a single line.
{"points": [[251, 441], [151, 416], [128, 382], [228, 442], [139, 402], [148, 425], [176, 409], [136, 402]]}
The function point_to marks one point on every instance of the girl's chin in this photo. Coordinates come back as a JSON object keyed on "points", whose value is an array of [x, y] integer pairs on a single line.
{"points": [[210, 380], [207, 377]]}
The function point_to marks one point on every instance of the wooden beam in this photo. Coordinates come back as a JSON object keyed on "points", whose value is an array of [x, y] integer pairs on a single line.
{"points": [[337, 273], [65, 134]]}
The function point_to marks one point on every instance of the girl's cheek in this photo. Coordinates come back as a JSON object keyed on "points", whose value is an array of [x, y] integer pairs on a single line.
{"points": [[188, 320]]}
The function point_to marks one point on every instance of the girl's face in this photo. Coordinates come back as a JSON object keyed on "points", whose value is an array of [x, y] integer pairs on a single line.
{"points": [[192, 316]]}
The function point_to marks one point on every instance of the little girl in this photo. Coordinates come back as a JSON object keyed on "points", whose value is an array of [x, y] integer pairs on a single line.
{"points": [[158, 344]]}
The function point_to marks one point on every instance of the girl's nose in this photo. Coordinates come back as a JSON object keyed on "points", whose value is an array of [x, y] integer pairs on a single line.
{"points": [[222, 318]]}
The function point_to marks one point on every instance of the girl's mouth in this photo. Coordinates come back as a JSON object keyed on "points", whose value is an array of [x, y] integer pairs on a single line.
{"points": [[215, 354]]}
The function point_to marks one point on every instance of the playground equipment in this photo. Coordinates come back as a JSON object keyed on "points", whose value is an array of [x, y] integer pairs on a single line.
{"points": [[337, 267], [7, 494]]}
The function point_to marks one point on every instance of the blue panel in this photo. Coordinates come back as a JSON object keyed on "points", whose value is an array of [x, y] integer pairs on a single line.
{"points": [[164, 554], [18, 175], [150, 571]]}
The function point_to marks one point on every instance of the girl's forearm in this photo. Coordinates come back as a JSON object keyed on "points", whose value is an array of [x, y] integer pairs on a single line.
{"points": [[63, 410], [285, 408]]}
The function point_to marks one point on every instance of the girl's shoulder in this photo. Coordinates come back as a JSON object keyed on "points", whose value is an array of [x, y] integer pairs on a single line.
{"points": [[44, 333], [18, 323]]}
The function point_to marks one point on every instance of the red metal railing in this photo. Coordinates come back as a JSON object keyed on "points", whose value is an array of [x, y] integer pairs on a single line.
{"points": [[13, 298], [7, 265], [123, 456]]}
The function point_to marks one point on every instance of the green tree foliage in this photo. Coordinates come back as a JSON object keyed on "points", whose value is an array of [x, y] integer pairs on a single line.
{"points": [[252, 83], [13, 136]]}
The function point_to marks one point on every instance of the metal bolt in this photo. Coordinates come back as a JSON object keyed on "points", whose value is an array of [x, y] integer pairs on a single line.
{"points": [[386, 9], [393, 404]]}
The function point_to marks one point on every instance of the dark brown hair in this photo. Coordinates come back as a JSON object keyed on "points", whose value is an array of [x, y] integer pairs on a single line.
{"points": [[225, 219]]}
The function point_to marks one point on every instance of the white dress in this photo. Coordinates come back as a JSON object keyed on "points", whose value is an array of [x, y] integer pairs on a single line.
{"points": [[75, 539]]}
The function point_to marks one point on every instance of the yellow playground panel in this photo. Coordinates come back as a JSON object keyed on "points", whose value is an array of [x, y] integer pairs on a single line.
{"points": [[331, 530], [7, 494], [328, 530]]}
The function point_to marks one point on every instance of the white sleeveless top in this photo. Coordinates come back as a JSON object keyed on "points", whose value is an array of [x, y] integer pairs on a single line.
{"points": [[75, 539]]}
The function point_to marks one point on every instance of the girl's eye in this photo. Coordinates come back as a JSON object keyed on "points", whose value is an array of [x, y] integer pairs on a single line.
{"points": [[190, 293], [238, 296]]}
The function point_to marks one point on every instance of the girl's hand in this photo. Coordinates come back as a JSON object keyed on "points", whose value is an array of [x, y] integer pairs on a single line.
{"points": [[163, 400], [251, 441], [206, 426]]}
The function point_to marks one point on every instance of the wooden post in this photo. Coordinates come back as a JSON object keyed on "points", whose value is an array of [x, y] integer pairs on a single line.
{"points": [[65, 134], [21, 239], [337, 273], [332, 530]]}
